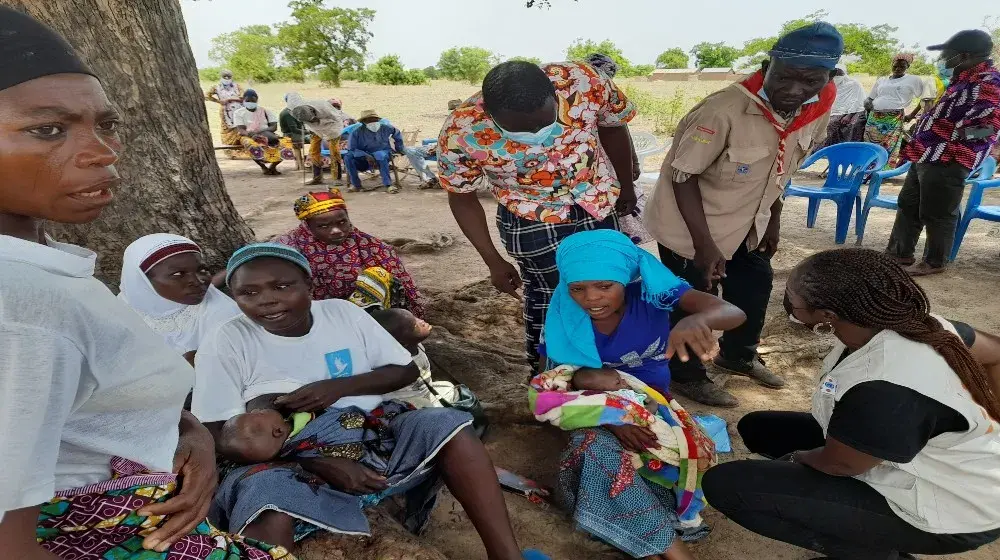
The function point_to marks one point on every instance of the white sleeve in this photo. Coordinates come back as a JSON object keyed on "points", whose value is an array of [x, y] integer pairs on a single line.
{"points": [[270, 117], [874, 91], [218, 380], [380, 347], [39, 377]]}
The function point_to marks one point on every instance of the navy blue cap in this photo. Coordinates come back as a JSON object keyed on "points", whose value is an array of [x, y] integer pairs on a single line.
{"points": [[817, 45], [972, 41]]}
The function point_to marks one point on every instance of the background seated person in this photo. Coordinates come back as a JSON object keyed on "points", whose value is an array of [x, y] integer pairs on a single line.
{"points": [[257, 128], [372, 140]]}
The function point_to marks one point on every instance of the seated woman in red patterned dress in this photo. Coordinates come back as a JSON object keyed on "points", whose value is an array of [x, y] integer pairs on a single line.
{"points": [[338, 252]]}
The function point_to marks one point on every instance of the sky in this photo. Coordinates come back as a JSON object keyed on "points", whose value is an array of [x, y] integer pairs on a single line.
{"points": [[418, 31]]}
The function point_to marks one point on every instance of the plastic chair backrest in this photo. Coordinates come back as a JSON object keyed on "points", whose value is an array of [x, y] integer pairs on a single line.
{"points": [[849, 161], [645, 144], [985, 171]]}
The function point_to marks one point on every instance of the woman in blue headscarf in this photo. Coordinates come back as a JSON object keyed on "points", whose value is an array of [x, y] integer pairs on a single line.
{"points": [[612, 309]]}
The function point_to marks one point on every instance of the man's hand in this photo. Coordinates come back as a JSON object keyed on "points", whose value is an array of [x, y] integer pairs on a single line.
{"points": [[505, 278], [769, 241], [869, 106], [710, 261], [347, 475], [194, 463], [626, 200], [692, 333], [634, 438], [314, 397]]}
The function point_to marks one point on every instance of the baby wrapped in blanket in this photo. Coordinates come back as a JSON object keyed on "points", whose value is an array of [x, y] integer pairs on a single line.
{"points": [[573, 398]]}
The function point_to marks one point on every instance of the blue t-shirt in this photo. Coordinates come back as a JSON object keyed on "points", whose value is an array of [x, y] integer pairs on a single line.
{"points": [[639, 344]]}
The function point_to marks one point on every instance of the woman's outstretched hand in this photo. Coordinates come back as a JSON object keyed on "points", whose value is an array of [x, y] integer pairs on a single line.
{"points": [[692, 335], [634, 438], [194, 463]]}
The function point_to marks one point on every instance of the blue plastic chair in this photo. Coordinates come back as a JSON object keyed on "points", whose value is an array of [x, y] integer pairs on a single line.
{"points": [[873, 198], [849, 163], [974, 209], [890, 202]]}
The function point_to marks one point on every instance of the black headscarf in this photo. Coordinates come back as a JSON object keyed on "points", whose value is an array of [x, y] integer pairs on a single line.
{"points": [[30, 49]]}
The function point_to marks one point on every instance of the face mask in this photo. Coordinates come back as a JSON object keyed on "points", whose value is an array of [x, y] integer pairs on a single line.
{"points": [[373, 126], [250, 105], [534, 138], [227, 81], [945, 73]]}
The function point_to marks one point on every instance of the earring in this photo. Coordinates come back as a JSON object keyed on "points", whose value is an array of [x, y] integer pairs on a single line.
{"points": [[823, 328]]}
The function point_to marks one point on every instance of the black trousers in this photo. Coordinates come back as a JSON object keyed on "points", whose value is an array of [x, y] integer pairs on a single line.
{"points": [[930, 197], [747, 285], [840, 517]]}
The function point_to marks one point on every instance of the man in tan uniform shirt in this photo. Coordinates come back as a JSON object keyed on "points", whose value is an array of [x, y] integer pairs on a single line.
{"points": [[716, 209]]}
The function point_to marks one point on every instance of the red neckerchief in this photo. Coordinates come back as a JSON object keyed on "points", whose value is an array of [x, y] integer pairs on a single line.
{"points": [[808, 114]]}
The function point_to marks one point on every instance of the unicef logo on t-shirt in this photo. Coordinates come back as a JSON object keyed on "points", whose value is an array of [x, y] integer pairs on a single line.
{"points": [[339, 364]]}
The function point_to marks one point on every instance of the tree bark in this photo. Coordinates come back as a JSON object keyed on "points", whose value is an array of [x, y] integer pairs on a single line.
{"points": [[171, 180]]}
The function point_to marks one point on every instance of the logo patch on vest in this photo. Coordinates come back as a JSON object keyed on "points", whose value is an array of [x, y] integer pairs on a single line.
{"points": [[743, 169], [829, 386]]}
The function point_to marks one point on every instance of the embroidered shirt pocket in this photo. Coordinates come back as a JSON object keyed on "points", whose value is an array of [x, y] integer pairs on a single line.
{"points": [[747, 164]]}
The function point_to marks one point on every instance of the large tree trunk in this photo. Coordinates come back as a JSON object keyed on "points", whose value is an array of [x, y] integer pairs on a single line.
{"points": [[171, 180]]}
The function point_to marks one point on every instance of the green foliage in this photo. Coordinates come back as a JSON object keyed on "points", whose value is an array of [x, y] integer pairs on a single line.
{"points": [[210, 74], [468, 64], [329, 40], [581, 49], [665, 112], [714, 55], [672, 58], [638, 70], [432, 73], [922, 66], [531, 59], [389, 71], [874, 45], [250, 52]]}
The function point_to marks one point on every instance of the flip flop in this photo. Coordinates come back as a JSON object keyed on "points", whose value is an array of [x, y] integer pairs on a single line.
{"points": [[923, 269]]}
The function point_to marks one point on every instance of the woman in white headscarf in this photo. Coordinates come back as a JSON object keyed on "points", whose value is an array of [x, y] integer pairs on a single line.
{"points": [[847, 117], [165, 281]]}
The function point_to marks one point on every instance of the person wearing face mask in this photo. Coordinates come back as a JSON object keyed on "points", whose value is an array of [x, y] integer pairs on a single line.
{"points": [[951, 140], [257, 128], [372, 140], [900, 454], [549, 142], [716, 210], [228, 94]]}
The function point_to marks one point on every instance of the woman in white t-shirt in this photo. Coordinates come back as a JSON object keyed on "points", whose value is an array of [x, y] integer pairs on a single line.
{"points": [[887, 104], [95, 442], [165, 280], [901, 453], [290, 353]]}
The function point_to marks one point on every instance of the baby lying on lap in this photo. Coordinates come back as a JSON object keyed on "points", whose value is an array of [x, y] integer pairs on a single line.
{"points": [[610, 381]]}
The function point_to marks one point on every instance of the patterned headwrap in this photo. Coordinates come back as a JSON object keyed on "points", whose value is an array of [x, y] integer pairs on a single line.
{"points": [[374, 289], [315, 203], [904, 56]]}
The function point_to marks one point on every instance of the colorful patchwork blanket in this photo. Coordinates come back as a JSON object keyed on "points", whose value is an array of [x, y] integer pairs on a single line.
{"points": [[685, 451]]}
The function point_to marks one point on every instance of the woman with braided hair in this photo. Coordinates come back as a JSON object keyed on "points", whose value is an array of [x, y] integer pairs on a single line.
{"points": [[901, 453]]}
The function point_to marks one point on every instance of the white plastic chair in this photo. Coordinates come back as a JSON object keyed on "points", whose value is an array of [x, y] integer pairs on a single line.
{"points": [[647, 145]]}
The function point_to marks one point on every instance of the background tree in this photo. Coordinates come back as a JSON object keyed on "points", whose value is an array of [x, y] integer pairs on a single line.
{"points": [[249, 52], [581, 49], [714, 55], [431, 72], [327, 40], [468, 64], [388, 70], [531, 59], [872, 45], [171, 181], [672, 58]]}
